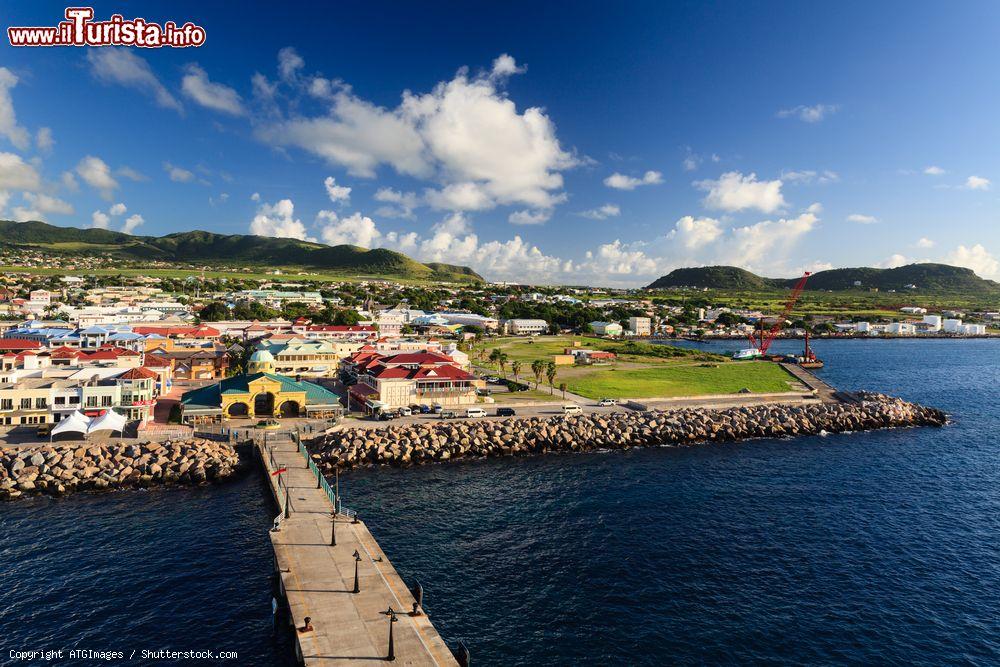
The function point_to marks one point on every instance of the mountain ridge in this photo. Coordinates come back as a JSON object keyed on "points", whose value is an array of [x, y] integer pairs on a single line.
{"points": [[243, 249], [924, 276]]}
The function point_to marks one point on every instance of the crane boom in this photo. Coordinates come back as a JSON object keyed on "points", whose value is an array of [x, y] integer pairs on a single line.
{"points": [[765, 340]]}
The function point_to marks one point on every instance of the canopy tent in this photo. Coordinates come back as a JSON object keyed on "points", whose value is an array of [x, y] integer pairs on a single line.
{"points": [[109, 421], [75, 422]]}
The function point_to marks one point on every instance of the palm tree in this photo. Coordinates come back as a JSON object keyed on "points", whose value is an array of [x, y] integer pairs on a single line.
{"points": [[550, 375], [502, 362], [515, 368], [537, 368], [495, 355], [562, 388]]}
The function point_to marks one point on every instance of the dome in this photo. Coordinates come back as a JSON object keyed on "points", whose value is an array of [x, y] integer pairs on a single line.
{"points": [[262, 356]]}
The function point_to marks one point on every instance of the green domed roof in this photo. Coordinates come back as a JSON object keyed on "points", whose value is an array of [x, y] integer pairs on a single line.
{"points": [[261, 356]]}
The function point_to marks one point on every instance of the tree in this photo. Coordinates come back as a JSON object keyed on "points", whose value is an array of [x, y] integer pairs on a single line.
{"points": [[562, 388], [495, 356], [550, 374], [502, 362], [214, 312], [538, 369], [515, 368]]}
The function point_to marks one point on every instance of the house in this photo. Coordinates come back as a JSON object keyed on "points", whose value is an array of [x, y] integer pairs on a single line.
{"points": [[194, 364], [640, 326], [408, 378], [526, 327], [606, 328]]}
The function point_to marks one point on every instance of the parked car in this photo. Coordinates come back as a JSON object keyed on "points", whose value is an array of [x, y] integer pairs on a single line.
{"points": [[605, 402], [448, 414], [571, 409], [493, 379], [475, 412], [505, 412], [386, 415], [405, 412], [437, 409], [424, 409]]}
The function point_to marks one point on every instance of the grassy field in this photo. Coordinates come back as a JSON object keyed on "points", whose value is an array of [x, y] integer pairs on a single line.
{"points": [[639, 372], [696, 380]]}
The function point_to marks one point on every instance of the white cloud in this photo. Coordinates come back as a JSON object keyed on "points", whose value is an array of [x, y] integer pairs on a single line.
{"points": [[976, 258], [123, 67], [69, 181], [97, 174], [925, 242], [624, 182], [132, 175], [527, 217], [117, 209], [278, 220], [209, 94], [934, 170], [809, 114], [132, 222], [356, 229], [735, 192], [757, 246], [403, 203], [44, 203], [16, 174], [617, 259], [44, 140], [466, 196], [289, 63], [255, 196], [602, 212], [178, 174], [337, 193], [977, 183], [100, 220], [693, 233], [862, 219], [9, 128], [810, 176], [893, 262], [505, 65], [465, 134]]}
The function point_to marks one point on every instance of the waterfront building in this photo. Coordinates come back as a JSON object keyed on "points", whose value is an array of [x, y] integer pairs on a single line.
{"points": [[408, 378], [258, 393], [640, 326], [933, 322]]}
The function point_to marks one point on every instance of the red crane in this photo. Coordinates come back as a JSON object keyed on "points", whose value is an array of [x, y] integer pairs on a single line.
{"points": [[764, 341]]}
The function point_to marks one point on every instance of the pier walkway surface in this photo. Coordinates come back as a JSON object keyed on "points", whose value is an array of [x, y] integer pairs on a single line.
{"points": [[824, 391], [318, 579]]}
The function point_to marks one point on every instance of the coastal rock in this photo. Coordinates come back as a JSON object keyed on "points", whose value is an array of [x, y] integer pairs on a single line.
{"points": [[435, 442], [58, 470]]}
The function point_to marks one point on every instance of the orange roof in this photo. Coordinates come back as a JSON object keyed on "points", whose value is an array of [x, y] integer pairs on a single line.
{"points": [[138, 374]]}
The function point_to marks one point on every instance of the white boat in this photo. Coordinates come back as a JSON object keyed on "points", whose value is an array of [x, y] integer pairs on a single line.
{"points": [[748, 353]]}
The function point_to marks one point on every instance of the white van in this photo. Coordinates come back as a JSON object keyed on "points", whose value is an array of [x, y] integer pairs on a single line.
{"points": [[475, 412], [405, 412], [572, 409]]}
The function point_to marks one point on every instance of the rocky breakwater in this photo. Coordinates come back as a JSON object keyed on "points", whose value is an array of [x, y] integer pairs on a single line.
{"points": [[61, 469], [428, 442]]}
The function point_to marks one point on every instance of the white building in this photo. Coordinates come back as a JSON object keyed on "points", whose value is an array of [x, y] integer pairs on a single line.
{"points": [[526, 327], [390, 322], [640, 326], [606, 328], [901, 328], [913, 310], [933, 322], [972, 329], [471, 319], [952, 325]]}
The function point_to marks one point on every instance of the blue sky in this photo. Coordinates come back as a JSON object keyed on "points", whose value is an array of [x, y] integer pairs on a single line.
{"points": [[563, 143]]}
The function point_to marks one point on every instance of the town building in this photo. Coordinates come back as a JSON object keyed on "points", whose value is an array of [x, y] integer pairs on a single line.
{"points": [[640, 326], [606, 328], [526, 327]]}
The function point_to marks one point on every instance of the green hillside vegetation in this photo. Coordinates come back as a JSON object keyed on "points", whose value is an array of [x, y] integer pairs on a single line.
{"points": [[925, 277], [234, 249]]}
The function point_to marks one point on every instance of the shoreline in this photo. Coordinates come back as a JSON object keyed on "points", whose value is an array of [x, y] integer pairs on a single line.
{"points": [[422, 443]]}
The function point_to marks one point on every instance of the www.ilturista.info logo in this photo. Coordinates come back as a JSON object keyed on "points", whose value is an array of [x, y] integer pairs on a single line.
{"points": [[79, 29]]}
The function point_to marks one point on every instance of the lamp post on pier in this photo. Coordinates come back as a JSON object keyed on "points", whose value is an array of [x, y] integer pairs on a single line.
{"points": [[357, 559], [333, 530], [392, 619]]}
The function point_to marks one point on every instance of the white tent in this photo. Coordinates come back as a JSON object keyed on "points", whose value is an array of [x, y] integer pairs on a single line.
{"points": [[109, 421], [75, 422]]}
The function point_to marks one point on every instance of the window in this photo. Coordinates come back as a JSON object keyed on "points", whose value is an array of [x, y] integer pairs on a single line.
{"points": [[40, 403], [25, 403], [60, 400], [106, 401], [91, 401], [7, 404]]}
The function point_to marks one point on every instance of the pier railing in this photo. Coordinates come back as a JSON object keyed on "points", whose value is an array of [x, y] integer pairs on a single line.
{"points": [[321, 481]]}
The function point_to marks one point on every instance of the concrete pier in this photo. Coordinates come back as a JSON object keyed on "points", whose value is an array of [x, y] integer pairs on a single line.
{"points": [[318, 579]]}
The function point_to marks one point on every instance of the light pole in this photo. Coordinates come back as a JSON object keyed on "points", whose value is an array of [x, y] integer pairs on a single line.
{"points": [[333, 531], [357, 559], [392, 619]]}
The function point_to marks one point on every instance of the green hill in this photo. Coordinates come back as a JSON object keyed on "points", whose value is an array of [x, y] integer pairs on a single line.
{"points": [[229, 249], [924, 277]]}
